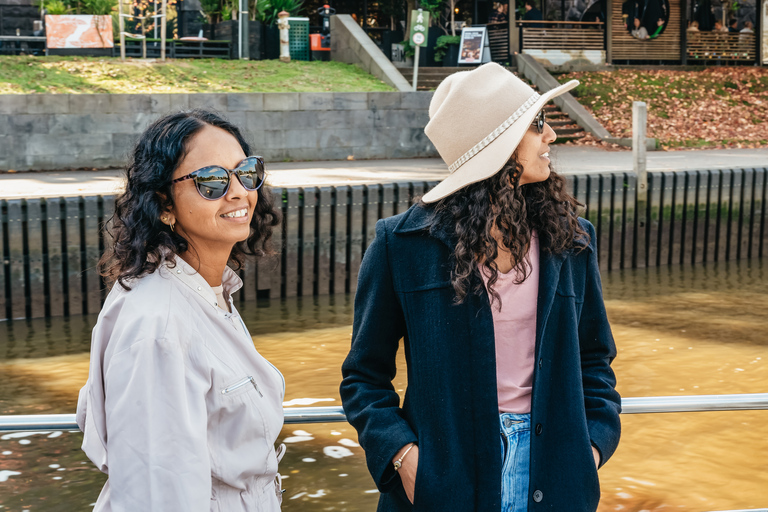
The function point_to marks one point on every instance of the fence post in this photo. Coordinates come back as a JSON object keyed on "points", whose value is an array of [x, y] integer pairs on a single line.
{"points": [[639, 121]]}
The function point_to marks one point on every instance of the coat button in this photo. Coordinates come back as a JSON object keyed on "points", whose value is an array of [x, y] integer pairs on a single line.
{"points": [[538, 496], [539, 429]]}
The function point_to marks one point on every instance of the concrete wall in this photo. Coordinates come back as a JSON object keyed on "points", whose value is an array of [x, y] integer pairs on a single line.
{"points": [[352, 45], [60, 131]]}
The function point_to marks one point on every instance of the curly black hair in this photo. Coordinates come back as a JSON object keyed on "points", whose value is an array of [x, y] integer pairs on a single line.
{"points": [[140, 241], [500, 207]]}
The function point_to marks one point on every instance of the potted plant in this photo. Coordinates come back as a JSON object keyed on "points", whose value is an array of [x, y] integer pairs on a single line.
{"points": [[447, 50]]}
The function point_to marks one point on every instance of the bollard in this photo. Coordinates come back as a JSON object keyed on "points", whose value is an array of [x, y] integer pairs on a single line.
{"points": [[282, 24], [639, 122]]}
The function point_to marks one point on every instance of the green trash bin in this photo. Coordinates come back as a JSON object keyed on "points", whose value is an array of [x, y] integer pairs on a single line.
{"points": [[298, 35]]}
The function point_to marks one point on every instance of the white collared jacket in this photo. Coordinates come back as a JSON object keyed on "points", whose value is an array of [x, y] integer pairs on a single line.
{"points": [[179, 409]]}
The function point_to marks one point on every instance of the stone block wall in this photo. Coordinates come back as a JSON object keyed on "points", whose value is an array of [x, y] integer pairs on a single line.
{"points": [[59, 131], [17, 14]]}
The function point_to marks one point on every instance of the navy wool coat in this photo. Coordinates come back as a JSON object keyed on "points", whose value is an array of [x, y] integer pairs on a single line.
{"points": [[450, 408]]}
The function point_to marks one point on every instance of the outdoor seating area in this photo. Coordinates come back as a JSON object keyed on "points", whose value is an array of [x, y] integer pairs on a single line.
{"points": [[721, 46]]}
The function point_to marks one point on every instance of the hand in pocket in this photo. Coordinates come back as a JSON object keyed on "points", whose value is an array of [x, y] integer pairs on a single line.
{"points": [[408, 472]]}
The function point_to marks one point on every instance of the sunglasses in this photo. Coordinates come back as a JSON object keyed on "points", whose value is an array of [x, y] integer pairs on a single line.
{"points": [[212, 182], [539, 122]]}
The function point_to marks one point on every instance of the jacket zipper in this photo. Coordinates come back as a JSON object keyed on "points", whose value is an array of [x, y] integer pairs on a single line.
{"points": [[242, 383]]}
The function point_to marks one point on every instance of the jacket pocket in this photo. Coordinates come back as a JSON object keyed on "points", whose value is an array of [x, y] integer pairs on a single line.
{"points": [[241, 386]]}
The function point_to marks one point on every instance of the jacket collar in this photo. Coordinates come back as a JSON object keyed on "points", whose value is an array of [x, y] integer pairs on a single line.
{"points": [[418, 219], [187, 274]]}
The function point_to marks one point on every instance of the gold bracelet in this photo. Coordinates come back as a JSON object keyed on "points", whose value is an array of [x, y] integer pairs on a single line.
{"points": [[399, 462]]}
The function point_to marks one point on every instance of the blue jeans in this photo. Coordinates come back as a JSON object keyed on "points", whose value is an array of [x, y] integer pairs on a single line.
{"points": [[516, 460]]}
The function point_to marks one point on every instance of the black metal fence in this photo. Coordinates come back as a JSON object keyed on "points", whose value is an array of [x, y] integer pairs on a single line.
{"points": [[50, 247]]}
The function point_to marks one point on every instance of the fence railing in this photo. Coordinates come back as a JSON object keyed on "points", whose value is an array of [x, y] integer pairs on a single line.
{"points": [[632, 405], [721, 46], [49, 248], [562, 35]]}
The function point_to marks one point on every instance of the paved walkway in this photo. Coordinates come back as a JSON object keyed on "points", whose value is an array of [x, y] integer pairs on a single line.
{"points": [[566, 159]]}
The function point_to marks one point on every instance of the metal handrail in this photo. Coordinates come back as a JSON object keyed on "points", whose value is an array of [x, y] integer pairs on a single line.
{"points": [[293, 415]]}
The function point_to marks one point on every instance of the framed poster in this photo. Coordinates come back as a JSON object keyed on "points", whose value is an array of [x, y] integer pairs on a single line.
{"points": [[78, 31], [471, 45], [764, 33]]}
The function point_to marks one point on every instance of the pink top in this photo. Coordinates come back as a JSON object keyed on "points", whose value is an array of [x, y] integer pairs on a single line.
{"points": [[515, 331]]}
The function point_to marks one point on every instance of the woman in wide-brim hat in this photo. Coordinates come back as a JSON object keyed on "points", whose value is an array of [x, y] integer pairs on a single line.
{"points": [[492, 282]]}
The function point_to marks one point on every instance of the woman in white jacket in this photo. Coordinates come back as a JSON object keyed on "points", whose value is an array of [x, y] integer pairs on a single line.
{"points": [[180, 410]]}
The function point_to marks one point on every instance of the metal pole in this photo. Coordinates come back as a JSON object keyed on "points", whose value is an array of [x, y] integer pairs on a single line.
{"points": [[122, 29], [639, 121], [416, 67], [154, 11], [163, 33], [632, 405], [244, 35]]}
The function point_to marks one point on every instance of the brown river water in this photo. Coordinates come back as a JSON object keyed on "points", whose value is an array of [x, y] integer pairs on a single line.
{"points": [[679, 331]]}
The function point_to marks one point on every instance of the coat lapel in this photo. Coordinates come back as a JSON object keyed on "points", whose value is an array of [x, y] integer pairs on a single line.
{"points": [[549, 275]]}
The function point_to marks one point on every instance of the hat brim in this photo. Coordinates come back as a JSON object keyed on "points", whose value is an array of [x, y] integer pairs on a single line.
{"points": [[493, 157]]}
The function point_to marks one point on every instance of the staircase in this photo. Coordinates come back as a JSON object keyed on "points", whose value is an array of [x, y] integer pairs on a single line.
{"points": [[565, 128]]}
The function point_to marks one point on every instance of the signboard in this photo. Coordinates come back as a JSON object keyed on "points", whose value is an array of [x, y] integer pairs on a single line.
{"points": [[419, 27], [764, 32], [78, 31], [472, 44]]}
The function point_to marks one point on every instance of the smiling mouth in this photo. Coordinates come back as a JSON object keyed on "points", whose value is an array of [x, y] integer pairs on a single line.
{"points": [[236, 214], [545, 154]]}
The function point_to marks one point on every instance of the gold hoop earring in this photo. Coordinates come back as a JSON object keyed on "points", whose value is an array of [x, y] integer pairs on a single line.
{"points": [[171, 225]]}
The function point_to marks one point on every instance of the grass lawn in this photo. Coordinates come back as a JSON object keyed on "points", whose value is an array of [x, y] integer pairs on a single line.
{"points": [[84, 75], [711, 107]]}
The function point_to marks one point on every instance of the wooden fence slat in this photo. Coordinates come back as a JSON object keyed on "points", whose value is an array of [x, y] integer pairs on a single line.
{"points": [[325, 249], [19, 291], [57, 276], [603, 225], [758, 212], [106, 223], [745, 219], [418, 191], [5, 262], [687, 243], [340, 281], [712, 234], [269, 268], [592, 202], [655, 218], [356, 240], [34, 229], [629, 213], [309, 240], [699, 218], [666, 219], [721, 203], [388, 205], [734, 215], [73, 263], [616, 220], [402, 197], [373, 207], [91, 254], [291, 244]]}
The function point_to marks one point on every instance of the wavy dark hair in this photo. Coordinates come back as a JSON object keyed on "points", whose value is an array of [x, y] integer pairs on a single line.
{"points": [[500, 205], [140, 241]]}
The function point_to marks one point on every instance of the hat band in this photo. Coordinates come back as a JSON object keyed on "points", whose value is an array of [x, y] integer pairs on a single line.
{"points": [[494, 134]]}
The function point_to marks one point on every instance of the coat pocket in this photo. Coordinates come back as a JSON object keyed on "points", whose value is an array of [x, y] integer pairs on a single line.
{"points": [[241, 386]]}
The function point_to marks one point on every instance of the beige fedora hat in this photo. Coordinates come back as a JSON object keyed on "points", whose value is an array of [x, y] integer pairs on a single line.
{"points": [[476, 120]]}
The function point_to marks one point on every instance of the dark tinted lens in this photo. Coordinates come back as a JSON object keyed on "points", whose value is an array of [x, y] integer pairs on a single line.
{"points": [[251, 173], [540, 123], [212, 182]]}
